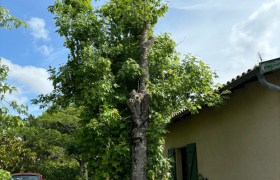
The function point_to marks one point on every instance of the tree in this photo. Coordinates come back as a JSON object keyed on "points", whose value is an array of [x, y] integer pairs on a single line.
{"points": [[128, 81], [11, 153], [50, 136], [6, 18], [60, 130]]}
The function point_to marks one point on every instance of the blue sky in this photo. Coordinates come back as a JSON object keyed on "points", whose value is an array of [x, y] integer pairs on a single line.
{"points": [[225, 34]]}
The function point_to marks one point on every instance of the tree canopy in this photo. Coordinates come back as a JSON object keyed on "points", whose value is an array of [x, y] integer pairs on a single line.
{"points": [[104, 67], [50, 136], [12, 153]]}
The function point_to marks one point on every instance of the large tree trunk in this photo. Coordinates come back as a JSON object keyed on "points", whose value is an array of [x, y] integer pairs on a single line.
{"points": [[139, 107]]}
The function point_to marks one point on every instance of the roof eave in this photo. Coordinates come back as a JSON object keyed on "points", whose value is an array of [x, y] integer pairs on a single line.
{"points": [[230, 85]]}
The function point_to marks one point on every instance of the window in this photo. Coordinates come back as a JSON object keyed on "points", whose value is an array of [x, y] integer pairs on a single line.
{"points": [[25, 178], [188, 163]]}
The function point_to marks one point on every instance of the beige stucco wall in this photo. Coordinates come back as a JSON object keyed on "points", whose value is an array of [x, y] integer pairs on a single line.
{"points": [[239, 141]]}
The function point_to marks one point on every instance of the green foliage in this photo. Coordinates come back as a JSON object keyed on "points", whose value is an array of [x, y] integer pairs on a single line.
{"points": [[57, 131], [5, 175], [6, 119], [111, 152], [49, 136], [58, 171], [12, 153], [6, 18], [103, 68]]}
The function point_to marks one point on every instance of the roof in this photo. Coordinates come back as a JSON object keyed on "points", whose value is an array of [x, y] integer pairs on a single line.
{"points": [[234, 83], [26, 174]]}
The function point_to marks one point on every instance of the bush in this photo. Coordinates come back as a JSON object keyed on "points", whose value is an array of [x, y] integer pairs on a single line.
{"points": [[5, 175], [58, 171]]}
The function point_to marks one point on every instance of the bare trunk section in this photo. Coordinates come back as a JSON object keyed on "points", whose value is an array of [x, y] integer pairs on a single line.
{"points": [[81, 163], [145, 48], [86, 171], [139, 107]]}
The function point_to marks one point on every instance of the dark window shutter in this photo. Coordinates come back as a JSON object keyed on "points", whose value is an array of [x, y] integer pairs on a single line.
{"points": [[184, 163], [171, 154], [192, 161]]}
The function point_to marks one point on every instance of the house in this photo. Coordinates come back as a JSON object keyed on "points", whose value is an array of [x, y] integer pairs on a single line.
{"points": [[240, 140]]}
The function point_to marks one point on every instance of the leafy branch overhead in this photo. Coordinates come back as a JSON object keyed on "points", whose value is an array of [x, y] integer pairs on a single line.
{"points": [[6, 19], [8, 119]]}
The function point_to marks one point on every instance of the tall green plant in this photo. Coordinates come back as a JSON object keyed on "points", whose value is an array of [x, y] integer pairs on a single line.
{"points": [[128, 81]]}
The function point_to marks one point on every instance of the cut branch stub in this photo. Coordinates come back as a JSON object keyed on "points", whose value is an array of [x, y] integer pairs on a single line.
{"points": [[139, 107]]}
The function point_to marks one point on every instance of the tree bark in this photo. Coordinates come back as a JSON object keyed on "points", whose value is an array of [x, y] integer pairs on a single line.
{"points": [[86, 171], [139, 107], [81, 163]]}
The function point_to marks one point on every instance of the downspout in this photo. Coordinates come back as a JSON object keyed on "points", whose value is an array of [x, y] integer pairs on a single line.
{"points": [[266, 84], [263, 81]]}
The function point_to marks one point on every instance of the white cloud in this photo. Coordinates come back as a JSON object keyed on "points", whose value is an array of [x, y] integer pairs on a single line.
{"points": [[226, 34], [57, 57], [38, 29], [194, 6], [17, 96], [213, 4], [36, 79], [259, 33], [45, 50]]}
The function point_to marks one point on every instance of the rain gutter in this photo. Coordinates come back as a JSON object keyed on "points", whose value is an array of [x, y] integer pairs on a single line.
{"points": [[268, 66], [264, 68]]}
